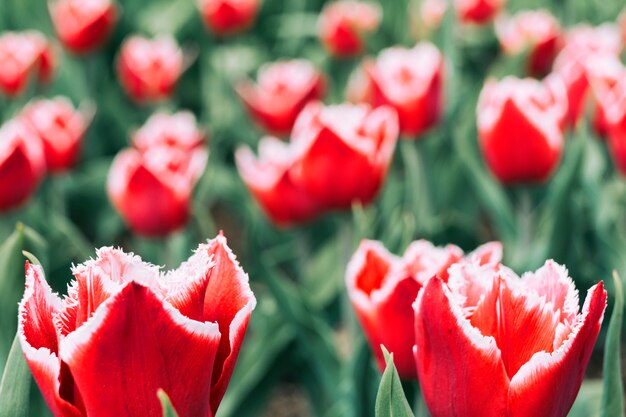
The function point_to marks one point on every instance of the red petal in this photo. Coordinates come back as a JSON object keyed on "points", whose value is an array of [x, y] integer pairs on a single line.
{"points": [[460, 371], [134, 344], [229, 302], [547, 385]]}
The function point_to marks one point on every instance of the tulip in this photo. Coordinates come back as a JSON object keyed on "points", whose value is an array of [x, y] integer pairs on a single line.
{"points": [[537, 32], [227, 17], [583, 45], [360, 88], [178, 130], [126, 330], [283, 90], [152, 187], [520, 128], [410, 81], [61, 128], [491, 344], [343, 25], [426, 16], [24, 56], [478, 11], [148, 69], [338, 155], [604, 75], [22, 164], [614, 108], [83, 25]]}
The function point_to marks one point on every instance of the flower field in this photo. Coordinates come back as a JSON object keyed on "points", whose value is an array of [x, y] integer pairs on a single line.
{"points": [[343, 208]]}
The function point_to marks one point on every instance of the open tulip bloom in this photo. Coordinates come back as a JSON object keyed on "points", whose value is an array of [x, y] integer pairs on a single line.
{"points": [[126, 330]]}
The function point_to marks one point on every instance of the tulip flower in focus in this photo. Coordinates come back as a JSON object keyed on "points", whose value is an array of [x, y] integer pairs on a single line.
{"points": [[520, 128], [282, 91], [22, 164], [344, 24], [537, 32], [226, 17], [61, 129], [337, 155], [148, 69], [491, 344], [24, 57], [125, 329], [382, 288], [478, 12], [583, 45], [410, 81], [151, 185], [83, 25]]}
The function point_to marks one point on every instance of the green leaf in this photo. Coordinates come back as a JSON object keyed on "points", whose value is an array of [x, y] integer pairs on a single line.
{"points": [[15, 385], [166, 404], [612, 393], [391, 401]]}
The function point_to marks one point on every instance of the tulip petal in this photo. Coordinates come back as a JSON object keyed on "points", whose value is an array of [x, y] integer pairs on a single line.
{"points": [[547, 385], [229, 302], [461, 371], [134, 344], [38, 338]]}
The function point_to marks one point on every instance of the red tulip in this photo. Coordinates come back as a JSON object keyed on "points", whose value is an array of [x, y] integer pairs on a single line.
{"points": [[344, 24], [24, 56], [410, 81], [226, 17], [295, 182], [282, 91], [179, 130], [614, 108], [61, 128], [537, 32], [83, 25], [126, 329], [152, 187], [22, 164], [478, 11], [520, 128], [149, 68], [583, 45], [491, 344], [604, 75]]}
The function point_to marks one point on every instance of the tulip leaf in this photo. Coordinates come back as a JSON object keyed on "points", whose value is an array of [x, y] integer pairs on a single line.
{"points": [[15, 385], [166, 404], [612, 393], [391, 401]]}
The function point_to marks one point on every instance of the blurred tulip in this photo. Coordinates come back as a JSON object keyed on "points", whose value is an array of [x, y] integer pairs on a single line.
{"points": [[283, 90], [226, 17], [537, 32], [491, 344], [360, 88], [614, 108], [151, 185], [478, 11], [426, 16], [24, 57], [338, 155], [22, 164], [622, 24], [520, 127], [61, 128], [343, 25], [604, 75], [126, 330], [83, 25], [148, 69], [583, 45], [410, 81]]}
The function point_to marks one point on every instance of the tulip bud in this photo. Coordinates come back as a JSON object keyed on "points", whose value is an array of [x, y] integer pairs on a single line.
{"points": [[227, 17], [343, 25], [83, 25], [60, 127], [24, 57], [410, 81], [520, 128], [478, 12], [537, 32], [148, 69], [283, 90], [22, 164]]}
